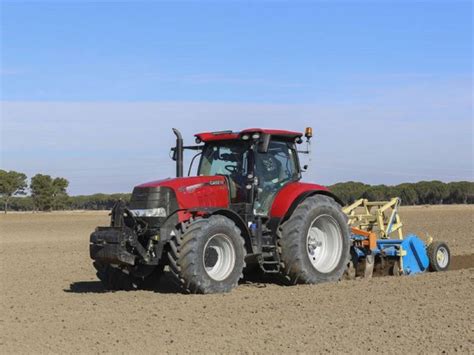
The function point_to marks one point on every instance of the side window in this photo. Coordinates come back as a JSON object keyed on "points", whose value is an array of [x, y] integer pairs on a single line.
{"points": [[274, 169], [278, 164]]}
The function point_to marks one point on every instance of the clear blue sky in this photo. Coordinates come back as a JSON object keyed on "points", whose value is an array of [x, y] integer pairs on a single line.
{"points": [[91, 90]]}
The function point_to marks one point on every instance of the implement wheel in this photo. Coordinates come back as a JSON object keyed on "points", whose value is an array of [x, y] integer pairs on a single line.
{"points": [[439, 256], [314, 242]]}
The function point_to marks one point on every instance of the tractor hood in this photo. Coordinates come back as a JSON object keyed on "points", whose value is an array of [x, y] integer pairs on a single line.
{"points": [[193, 192]]}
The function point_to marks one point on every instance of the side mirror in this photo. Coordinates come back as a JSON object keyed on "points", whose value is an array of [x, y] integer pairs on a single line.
{"points": [[263, 143]]}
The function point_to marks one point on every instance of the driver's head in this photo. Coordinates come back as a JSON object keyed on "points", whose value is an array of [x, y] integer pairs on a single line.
{"points": [[269, 167]]}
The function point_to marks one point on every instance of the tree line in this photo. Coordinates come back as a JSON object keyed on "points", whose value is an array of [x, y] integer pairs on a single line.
{"points": [[81, 202], [47, 193], [419, 193]]}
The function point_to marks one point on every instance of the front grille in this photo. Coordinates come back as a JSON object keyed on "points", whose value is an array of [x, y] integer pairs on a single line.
{"points": [[144, 198]]}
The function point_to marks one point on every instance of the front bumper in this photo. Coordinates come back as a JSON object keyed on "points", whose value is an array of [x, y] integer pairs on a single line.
{"points": [[109, 245]]}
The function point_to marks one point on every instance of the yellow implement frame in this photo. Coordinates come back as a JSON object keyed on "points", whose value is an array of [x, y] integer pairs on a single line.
{"points": [[380, 217]]}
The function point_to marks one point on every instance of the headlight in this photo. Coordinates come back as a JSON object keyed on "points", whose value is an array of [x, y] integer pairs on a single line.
{"points": [[150, 212]]}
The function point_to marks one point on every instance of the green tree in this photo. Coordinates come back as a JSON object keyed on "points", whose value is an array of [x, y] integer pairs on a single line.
{"points": [[11, 183], [407, 193], [42, 192], [378, 193], [439, 192], [349, 191], [60, 197], [461, 192], [49, 193], [423, 190], [24, 203]]}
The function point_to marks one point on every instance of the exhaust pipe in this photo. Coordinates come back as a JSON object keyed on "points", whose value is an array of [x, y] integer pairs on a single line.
{"points": [[178, 153]]}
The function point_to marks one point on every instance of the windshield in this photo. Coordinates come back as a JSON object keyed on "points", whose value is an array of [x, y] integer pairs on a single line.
{"points": [[229, 159], [224, 159]]}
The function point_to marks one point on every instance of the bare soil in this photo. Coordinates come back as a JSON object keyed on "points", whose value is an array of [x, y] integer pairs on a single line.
{"points": [[51, 301], [453, 224]]}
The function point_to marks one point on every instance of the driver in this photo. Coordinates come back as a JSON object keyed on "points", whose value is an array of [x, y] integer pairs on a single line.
{"points": [[234, 170], [268, 169]]}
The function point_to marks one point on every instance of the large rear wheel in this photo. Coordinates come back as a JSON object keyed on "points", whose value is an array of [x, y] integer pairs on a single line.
{"points": [[314, 242], [208, 255]]}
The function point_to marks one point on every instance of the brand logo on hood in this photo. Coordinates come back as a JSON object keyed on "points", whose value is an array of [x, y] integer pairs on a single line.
{"points": [[192, 188]]}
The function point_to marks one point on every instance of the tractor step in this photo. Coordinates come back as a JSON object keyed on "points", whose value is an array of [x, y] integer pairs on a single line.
{"points": [[269, 260]]}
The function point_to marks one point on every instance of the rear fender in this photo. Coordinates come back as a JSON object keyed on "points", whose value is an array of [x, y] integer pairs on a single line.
{"points": [[290, 196]]}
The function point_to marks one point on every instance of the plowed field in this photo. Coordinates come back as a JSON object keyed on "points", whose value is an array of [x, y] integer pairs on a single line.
{"points": [[51, 301]]}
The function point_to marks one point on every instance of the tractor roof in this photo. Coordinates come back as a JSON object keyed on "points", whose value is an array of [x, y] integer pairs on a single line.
{"points": [[230, 135]]}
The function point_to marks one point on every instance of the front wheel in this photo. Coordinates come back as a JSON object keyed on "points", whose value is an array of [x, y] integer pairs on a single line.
{"points": [[208, 255], [314, 242]]}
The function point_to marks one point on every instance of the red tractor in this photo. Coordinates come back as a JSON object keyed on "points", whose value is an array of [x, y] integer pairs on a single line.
{"points": [[246, 206]]}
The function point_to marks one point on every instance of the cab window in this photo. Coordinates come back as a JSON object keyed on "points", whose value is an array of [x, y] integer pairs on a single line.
{"points": [[229, 159], [278, 165], [223, 159], [274, 169]]}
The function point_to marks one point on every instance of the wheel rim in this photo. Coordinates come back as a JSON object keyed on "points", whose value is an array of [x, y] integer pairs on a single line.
{"points": [[442, 257], [324, 243], [219, 257]]}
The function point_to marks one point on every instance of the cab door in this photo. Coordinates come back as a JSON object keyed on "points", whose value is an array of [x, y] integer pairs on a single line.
{"points": [[274, 169]]}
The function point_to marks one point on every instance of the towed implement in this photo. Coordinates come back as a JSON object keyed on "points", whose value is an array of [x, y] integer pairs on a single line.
{"points": [[378, 243], [245, 207]]}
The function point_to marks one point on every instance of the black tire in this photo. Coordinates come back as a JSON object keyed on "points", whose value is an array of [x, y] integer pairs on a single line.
{"points": [[293, 242], [435, 264], [114, 278], [187, 252]]}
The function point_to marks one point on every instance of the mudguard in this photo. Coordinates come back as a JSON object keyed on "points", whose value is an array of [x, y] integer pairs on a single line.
{"points": [[292, 194]]}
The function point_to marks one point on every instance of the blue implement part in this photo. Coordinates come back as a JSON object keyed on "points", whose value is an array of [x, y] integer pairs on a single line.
{"points": [[413, 252], [416, 258]]}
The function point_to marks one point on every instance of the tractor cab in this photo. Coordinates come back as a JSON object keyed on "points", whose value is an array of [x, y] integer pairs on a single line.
{"points": [[256, 163]]}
